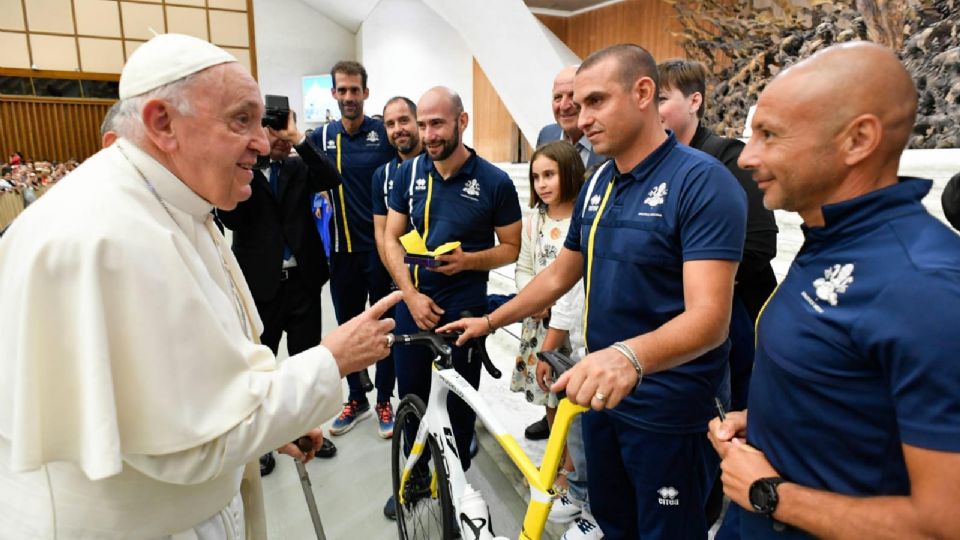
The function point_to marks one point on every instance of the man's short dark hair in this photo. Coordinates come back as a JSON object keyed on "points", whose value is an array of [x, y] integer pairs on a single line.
{"points": [[410, 104], [687, 76], [349, 67], [633, 62]]}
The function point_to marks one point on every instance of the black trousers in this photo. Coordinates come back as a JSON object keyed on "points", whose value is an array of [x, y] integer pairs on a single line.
{"points": [[295, 310], [355, 278]]}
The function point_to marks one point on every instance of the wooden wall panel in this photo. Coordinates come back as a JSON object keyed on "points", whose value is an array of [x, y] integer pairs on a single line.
{"points": [[647, 23], [51, 128], [557, 25], [492, 124]]}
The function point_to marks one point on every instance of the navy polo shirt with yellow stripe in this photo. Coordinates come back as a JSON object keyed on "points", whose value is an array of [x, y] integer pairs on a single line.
{"points": [[465, 207], [357, 156], [383, 179], [677, 205], [858, 351]]}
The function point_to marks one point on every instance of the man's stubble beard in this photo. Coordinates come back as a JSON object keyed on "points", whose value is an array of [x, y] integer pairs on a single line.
{"points": [[450, 147]]}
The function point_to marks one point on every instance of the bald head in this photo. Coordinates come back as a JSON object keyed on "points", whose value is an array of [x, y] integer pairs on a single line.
{"points": [[565, 76], [565, 111], [830, 129], [881, 87], [443, 97], [441, 121]]}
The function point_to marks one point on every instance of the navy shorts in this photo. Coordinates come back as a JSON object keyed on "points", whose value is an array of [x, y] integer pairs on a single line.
{"points": [[644, 484]]}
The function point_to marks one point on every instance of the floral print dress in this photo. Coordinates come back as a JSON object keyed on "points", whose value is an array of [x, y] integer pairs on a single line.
{"points": [[540, 243]]}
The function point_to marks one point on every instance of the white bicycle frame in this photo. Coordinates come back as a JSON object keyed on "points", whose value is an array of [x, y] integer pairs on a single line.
{"points": [[436, 421]]}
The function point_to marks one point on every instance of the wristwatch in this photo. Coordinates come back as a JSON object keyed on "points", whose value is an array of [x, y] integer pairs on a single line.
{"points": [[763, 495]]}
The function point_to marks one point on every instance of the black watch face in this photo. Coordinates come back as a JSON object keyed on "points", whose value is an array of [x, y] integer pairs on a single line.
{"points": [[763, 496]]}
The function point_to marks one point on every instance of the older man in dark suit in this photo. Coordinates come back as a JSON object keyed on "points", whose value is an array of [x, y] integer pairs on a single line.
{"points": [[278, 246], [566, 113]]}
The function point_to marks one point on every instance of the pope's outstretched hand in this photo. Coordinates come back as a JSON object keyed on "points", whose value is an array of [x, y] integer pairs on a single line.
{"points": [[363, 340]]}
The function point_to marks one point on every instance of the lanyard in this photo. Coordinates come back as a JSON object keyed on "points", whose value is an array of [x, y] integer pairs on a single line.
{"points": [[590, 243], [426, 227], [343, 203]]}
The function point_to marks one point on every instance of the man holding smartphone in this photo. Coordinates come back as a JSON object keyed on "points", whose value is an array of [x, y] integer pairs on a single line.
{"points": [[276, 243]]}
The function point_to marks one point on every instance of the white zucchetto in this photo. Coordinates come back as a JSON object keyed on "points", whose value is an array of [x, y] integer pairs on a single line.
{"points": [[167, 58]]}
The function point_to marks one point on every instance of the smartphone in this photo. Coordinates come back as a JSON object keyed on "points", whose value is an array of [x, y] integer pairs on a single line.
{"points": [[428, 262]]}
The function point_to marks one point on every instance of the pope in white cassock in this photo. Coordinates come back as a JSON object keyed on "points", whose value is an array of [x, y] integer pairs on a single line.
{"points": [[133, 391]]}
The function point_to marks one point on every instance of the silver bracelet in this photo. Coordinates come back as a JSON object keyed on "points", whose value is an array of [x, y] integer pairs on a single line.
{"points": [[625, 350]]}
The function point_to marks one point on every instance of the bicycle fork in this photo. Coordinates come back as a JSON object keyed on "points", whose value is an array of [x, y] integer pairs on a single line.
{"points": [[416, 452]]}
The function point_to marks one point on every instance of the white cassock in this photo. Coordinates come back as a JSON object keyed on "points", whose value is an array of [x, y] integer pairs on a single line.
{"points": [[130, 396]]}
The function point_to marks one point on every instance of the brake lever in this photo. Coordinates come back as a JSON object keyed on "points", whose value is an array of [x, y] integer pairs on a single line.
{"points": [[481, 349], [559, 363]]}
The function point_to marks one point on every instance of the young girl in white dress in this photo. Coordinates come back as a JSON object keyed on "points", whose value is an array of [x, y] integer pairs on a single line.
{"points": [[556, 175]]}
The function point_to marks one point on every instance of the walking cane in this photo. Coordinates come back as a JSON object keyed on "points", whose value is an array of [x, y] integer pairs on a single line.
{"points": [[305, 444]]}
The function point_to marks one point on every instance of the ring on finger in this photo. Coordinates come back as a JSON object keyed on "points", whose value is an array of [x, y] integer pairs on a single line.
{"points": [[390, 340], [599, 396]]}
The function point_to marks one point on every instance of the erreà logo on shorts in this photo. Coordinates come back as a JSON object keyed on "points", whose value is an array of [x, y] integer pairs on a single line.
{"points": [[668, 496]]}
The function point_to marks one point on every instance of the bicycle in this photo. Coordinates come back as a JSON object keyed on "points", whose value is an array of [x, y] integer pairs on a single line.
{"points": [[431, 491]]}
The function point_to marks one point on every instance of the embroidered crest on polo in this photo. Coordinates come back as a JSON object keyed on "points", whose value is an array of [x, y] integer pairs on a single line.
{"points": [[594, 203], [834, 282], [668, 496], [372, 137], [656, 195], [420, 184], [472, 187]]}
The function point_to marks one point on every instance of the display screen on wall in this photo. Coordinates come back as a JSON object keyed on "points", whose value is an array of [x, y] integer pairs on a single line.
{"points": [[318, 104]]}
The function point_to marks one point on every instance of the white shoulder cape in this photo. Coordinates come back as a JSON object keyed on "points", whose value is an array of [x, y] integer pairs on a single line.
{"points": [[118, 338]]}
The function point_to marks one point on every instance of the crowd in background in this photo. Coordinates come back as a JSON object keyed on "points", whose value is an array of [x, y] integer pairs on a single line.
{"points": [[30, 178], [24, 180]]}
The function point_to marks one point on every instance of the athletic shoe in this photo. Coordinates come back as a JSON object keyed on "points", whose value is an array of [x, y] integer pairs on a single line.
{"points": [[390, 509], [583, 528], [564, 510], [385, 419], [538, 430], [353, 411]]}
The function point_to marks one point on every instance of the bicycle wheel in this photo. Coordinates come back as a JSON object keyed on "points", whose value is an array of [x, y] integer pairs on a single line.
{"points": [[422, 515]]}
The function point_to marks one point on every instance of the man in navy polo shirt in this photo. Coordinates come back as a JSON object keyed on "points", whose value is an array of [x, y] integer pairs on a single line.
{"points": [[358, 145], [854, 406], [400, 121], [450, 194], [656, 234]]}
